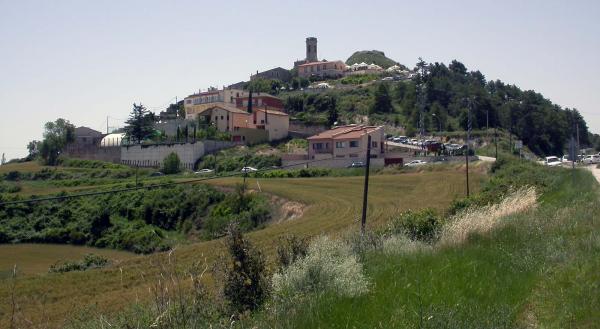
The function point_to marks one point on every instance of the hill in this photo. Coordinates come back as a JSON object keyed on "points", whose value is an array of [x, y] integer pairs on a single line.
{"points": [[372, 56]]}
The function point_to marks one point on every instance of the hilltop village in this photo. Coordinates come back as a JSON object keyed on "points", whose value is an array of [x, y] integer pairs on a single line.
{"points": [[252, 112]]}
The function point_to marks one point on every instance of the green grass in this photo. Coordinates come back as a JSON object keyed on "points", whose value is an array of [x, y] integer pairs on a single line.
{"points": [[540, 270]]}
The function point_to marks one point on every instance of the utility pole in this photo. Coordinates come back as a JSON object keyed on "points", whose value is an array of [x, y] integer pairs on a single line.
{"points": [[107, 124], [363, 221], [496, 140], [468, 144]]}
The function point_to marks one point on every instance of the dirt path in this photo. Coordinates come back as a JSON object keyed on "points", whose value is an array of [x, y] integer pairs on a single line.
{"points": [[595, 171]]}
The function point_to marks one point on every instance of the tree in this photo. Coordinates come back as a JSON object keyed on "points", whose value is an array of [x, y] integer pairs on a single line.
{"points": [[383, 101], [33, 148], [171, 164], [140, 124], [246, 284], [57, 135]]}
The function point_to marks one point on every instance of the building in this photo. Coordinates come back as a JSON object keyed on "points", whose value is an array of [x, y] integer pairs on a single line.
{"points": [[197, 103], [277, 73], [263, 124], [260, 100], [87, 136], [311, 52], [333, 69], [349, 141], [363, 68]]}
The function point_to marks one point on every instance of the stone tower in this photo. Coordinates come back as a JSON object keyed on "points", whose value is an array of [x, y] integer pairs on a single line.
{"points": [[311, 50]]}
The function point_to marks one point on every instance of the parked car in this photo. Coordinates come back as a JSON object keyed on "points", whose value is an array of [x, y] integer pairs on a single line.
{"points": [[249, 169], [156, 174], [552, 161], [356, 164], [388, 79], [204, 171], [415, 163], [591, 159]]}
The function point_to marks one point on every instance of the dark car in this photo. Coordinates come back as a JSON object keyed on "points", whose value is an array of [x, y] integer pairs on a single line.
{"points": [[357, 164], [156, 174]]}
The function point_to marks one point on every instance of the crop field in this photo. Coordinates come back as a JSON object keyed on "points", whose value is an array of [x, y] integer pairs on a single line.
{"points": [[331, 205]]}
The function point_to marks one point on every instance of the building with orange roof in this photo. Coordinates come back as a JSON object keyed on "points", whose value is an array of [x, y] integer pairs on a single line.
{"points": [[350, 141], [333, 69]]}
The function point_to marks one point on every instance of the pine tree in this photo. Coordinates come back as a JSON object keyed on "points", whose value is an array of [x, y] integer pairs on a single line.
{"points": [[140, 124]]}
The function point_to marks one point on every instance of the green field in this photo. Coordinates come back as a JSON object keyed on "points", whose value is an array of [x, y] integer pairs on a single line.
{"points": [[331, 205], [36, 258]]}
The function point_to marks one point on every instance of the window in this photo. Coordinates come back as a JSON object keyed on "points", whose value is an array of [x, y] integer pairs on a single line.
{"points": [[221, 117], [262, 121], [317, 146], [353, 143], [340, 156], [188, 101], [374, 144], [354, 155], [339, 145]]}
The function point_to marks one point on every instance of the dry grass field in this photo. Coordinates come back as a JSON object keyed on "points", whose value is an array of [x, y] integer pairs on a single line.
{"points": [[332, 205]]}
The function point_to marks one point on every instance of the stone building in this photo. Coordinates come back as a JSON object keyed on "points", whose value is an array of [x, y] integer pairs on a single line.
{"points": [[277, 73]]}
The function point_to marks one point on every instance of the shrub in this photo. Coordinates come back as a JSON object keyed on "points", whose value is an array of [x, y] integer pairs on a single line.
{"points": [[89, 261], [290, 249], [329, 266], [171, 164], [423, 225], [245, 279]]}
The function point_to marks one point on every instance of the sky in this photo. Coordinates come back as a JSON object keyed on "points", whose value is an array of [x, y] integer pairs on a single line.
{"points": [[88, 60]]}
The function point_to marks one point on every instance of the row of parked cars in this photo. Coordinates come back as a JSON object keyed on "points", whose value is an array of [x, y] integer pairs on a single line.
{"points": [[584, 159]]}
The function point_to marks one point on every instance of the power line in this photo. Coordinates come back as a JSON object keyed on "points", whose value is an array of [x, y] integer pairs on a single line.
{"points": [[130, 189]]}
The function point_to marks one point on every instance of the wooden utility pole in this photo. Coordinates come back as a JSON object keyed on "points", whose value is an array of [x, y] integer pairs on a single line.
{"points": [[468, 145], [363, 221]]}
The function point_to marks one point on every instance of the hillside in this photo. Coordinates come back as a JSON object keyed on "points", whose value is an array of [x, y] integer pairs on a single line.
{"points": [[371, 57], [543, 126], [332, 205]]}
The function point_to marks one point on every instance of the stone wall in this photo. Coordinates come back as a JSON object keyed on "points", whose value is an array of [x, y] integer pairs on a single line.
{"points": [[93, 152], [153, 155]]}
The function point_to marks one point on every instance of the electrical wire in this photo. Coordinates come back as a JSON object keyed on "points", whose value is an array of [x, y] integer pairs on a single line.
{"points": [[129, 189]]}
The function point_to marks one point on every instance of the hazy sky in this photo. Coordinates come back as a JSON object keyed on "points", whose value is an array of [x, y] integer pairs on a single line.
{"points": [[86, 60]]}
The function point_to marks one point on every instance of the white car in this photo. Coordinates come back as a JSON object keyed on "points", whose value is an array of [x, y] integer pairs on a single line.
{"points": [[552, 161], [204, 171], [415, 163], [591, 159], [249, 169]]}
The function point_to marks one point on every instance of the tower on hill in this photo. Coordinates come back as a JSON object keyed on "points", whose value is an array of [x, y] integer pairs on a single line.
{"points": [[311, 50]]}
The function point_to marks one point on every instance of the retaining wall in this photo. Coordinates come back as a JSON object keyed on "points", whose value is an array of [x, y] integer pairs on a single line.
{"points": [[153, 155]]}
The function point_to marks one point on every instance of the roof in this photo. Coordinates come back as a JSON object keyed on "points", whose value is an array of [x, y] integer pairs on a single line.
{"points": [[226, 107], [320, 62], [345, 132], [272, 112], [79, 131]]}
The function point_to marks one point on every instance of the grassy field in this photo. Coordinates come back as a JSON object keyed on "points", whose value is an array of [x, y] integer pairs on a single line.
{"points": [[36, 259], [331, 205], [539, 269]]}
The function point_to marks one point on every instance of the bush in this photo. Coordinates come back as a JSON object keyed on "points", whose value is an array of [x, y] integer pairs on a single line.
{"points": [[329, 266], [89, 261], [423, 225], [171, 164], [290, 249], [246, 285]]}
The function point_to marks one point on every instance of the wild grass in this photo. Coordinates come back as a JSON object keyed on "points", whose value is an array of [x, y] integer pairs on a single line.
{"points": [[482, 220]]}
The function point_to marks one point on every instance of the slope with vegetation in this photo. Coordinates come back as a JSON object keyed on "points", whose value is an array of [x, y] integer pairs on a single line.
{"points": [[332, 204], [528, 259]]}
